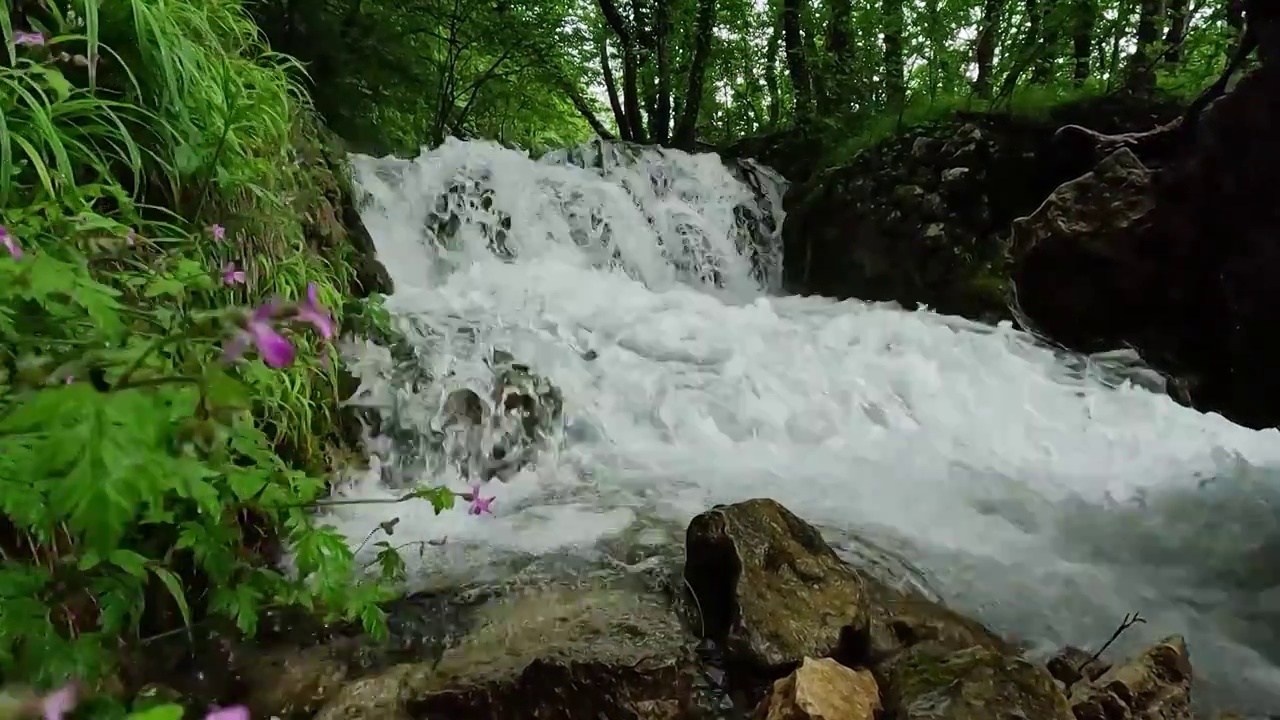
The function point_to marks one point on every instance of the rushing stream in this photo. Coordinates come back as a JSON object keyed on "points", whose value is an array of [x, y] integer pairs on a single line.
{"points": [[1045, 493]]}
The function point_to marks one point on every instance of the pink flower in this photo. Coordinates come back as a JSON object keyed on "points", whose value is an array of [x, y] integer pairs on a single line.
{"points": [[311, 311], [231, 275], [10, 243], [275, 349], [29, 39], [58, 703], [235, 712], [219, 232], [479, 504]]}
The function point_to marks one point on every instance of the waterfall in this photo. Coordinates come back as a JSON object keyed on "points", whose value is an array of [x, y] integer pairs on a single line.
{"points": [[597, 336]]}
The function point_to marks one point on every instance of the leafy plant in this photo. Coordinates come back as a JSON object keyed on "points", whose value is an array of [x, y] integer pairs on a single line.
{"points": [[154, 236]]}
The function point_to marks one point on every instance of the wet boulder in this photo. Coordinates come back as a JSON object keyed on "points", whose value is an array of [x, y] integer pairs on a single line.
{"points": [[769, 588], [932, 682], [559, 652]]}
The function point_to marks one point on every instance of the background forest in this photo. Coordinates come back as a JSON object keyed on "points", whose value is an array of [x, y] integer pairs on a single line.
{"points": [[542, 73]]}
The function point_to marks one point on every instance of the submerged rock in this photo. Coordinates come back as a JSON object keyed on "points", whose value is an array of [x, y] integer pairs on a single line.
{"points": [[822, 690]]}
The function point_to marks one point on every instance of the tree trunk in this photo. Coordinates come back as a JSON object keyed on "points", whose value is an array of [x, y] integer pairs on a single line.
{"points": [[611, 89], [988, 36], [661, 124], [1176, 32], [1083, 24], [1044, 48], [1141, 73], [837, 52], [797, 63], [771, 75], [894, 61], [704, 34]]}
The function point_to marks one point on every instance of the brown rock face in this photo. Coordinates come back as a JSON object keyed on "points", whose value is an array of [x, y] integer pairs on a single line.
{"points": [[822, 690], [1156, 685], [768, 586]]}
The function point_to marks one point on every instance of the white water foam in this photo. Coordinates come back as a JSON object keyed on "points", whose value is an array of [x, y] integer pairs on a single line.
{"points": [[1048, 501]]}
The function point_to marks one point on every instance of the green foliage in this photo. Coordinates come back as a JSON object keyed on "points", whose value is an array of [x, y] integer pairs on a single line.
{"points": [[147, 480], [389, 76]]}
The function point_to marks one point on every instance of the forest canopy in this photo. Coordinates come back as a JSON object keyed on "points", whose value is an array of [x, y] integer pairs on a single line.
{"points": [[390, 76]]}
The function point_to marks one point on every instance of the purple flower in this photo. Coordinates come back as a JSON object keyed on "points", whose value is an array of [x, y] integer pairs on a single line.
{"points": [[311, 311], [10, 243], [29, 39], [275, 349], [235, 712], [219, 232], [231, 275], [58, 703], [479, 504]]}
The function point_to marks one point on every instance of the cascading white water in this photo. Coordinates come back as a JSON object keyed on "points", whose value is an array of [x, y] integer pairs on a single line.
{"points": [[1047, 500]]}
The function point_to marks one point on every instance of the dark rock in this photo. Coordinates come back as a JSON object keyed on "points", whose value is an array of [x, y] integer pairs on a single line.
{"points": [[769, 587], [923, 217], [930, 682], [1180, 265], [1070, 665], [1077, 255]]}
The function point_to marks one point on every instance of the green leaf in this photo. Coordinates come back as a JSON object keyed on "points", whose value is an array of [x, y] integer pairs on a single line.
{"points": [[441, 498], [129, 561], [159, 712], [174, 586]]}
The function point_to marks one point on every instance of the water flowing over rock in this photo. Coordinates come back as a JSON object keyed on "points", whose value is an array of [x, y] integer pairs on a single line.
{"points": [[622, 643], [1038, 496]]}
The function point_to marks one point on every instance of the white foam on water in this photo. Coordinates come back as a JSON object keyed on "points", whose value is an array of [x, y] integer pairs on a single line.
{"points": [[1048, 501]]}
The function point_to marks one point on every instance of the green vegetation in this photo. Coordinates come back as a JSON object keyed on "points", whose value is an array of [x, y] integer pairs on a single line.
{"points": [[154, 186], [166, 172]]}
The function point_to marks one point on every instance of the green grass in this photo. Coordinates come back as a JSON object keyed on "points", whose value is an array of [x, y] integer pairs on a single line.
{"points": [[144, 480]]}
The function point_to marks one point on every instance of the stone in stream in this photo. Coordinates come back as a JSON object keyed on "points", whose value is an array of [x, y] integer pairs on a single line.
{"points": [[820, 640], [561, 652], [822, 690]]}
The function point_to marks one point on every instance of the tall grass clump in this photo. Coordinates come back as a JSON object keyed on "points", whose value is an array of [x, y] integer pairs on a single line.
{"points": [[166, 378]]}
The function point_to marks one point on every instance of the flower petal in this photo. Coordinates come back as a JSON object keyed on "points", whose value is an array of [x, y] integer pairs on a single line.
{"points": [[235, 712], [58, 703], [276, 350]]}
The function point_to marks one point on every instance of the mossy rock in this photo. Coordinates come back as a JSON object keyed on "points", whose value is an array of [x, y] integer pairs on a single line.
{"points": [[932, 682]]}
